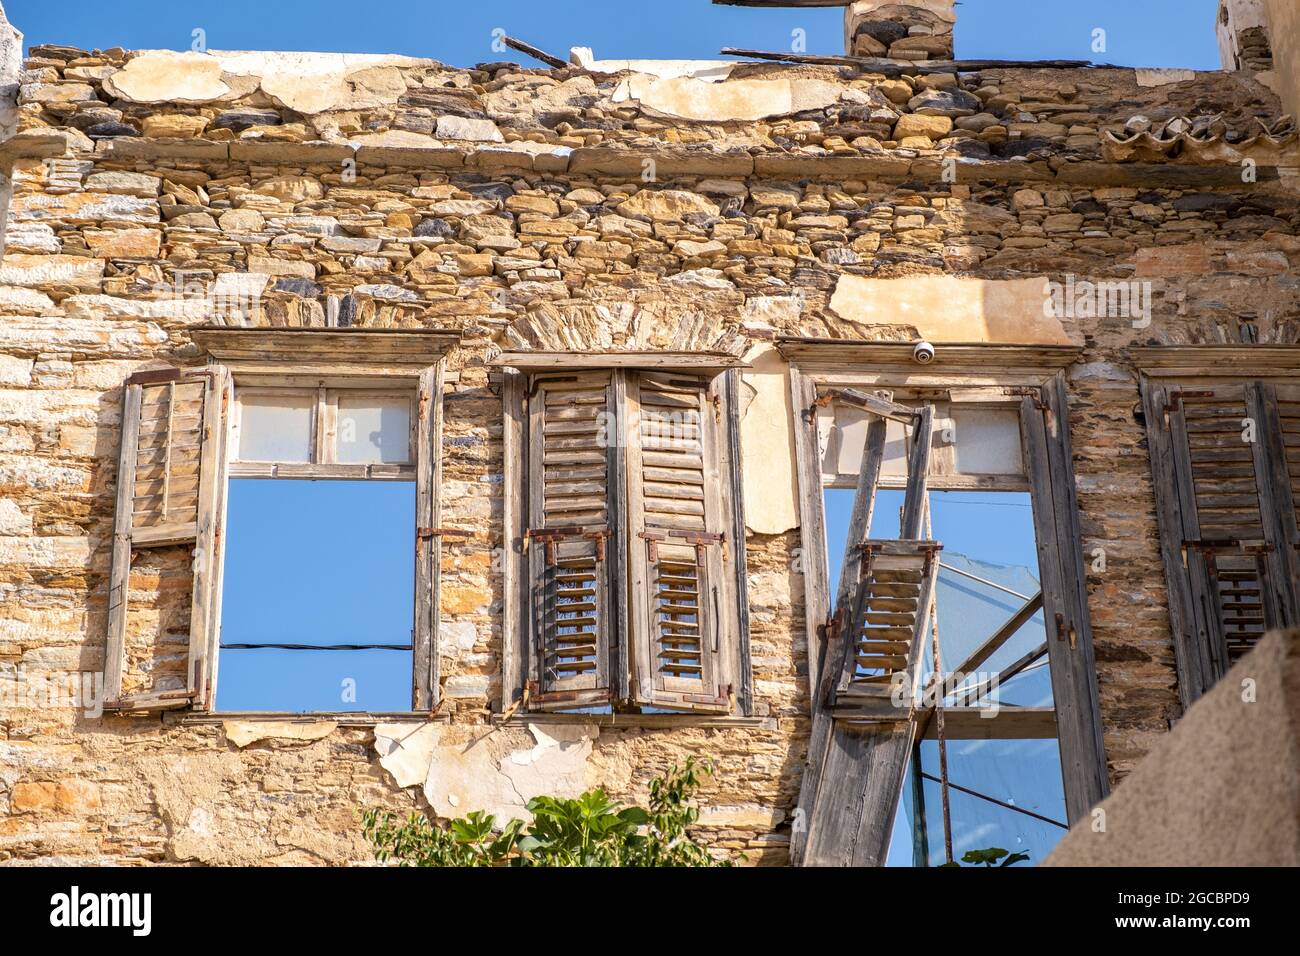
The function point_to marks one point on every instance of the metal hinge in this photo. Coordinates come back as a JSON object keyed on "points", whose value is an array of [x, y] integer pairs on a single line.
{"points": [[551, 537], [1176, 401]]}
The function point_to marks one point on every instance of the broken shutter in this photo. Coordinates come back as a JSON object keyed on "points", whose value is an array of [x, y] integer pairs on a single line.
{"points": [[862, 732], [1045, 435], [570, 536], [1224, 488], [170, 493], [682, 573]]}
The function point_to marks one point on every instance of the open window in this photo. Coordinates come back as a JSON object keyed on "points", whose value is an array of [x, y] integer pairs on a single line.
{"points": [[955, 650], [1224, 435], [277, 514], [627, 557]]}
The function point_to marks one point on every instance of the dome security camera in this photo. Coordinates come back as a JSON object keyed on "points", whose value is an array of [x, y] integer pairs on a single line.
{"points": [[923, 353]]}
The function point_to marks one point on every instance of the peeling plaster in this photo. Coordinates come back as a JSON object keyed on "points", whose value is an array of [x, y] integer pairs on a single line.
{"points": [[499, 770], [305, 82], [733, 100], [952, 309], [767, 445], [241, 733], [710, 71]]}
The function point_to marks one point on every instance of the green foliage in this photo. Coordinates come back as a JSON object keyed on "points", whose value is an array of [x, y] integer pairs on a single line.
{"points": [[990, 857], [591, 830]]}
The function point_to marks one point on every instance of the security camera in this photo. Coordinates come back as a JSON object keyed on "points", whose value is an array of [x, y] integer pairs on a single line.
{"points": [[923, 353]]}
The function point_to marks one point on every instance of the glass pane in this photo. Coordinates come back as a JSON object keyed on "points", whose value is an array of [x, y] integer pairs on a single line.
{"points": [[374, 430], [320, 563], [275, 427]]}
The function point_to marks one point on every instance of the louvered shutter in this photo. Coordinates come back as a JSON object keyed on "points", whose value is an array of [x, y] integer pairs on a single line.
{"points": [[170, 492], [1220, 477], [681, 562], [886, 608], [572, 519]]}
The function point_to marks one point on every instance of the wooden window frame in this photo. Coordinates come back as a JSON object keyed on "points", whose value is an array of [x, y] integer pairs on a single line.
{"points": [[1034, 377], [518, 371], [411, 363], [1169, 369]]}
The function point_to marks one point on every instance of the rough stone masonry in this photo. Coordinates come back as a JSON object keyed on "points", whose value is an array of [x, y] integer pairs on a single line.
{"points": [[512, 203]]}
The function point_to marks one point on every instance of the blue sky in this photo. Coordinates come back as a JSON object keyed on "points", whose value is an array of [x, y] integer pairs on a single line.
{"points": [[1144, 33], [322, 563]]}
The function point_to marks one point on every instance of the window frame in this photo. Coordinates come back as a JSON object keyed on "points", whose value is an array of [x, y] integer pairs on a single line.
{"points": [[1031, 375], [385, 361], [518, 371]]}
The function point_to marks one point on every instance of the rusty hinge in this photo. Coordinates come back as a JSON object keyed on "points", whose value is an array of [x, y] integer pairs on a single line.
{"points": [[1176, 401], [1030, 392], [539, 380], [830, 630], [551, 537], [422, 534]]}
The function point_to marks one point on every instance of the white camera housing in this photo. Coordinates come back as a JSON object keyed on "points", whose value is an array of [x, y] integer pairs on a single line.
{"points": [[923, 353]]}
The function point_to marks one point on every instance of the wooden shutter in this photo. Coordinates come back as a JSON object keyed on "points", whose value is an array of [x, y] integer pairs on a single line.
{"points": [[1045, 438], [170, 492], [1225, 481], [683, 579], [573, 517]]}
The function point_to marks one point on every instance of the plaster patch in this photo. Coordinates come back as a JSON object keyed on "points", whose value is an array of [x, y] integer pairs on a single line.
{"points": [[952, 309], [161, 76], [734, 100], [241, 733], [767, 445], [711, 71], [1163, 77], [406, 750]]}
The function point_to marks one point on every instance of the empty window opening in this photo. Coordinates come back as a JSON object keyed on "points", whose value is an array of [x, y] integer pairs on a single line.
{"points": [[318, 601], [1004, 792], [318, 597]]}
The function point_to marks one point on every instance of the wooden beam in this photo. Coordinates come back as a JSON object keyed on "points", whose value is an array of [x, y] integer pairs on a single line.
{"points": [[529, 50], [881, 407], [986, 650], [669, 361], [1011, 723], [873, 64]]}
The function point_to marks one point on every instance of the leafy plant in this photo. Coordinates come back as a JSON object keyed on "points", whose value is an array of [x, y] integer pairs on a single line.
{"points": [[990, 857], [590, 830]]}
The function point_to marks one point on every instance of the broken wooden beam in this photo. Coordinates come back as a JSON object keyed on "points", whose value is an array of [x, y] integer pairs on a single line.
{"points": [[536, 54], [873, 64]]}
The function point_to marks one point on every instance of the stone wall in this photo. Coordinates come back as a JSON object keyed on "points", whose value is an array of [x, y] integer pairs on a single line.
{"points": [[517, 206]]}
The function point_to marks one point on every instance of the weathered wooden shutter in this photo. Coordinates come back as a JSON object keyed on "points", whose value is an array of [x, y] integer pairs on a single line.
{"points": [[1281, 431], [862, 734], [170, 492], [1224, 488], [1045, 438], [681, 561], [573, 518]]}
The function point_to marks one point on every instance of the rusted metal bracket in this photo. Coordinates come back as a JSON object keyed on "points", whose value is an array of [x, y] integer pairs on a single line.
{"points": [[1210, 548], [1176, 401], [551, 537], [443, 533], [1031, 392], [700, 539]]}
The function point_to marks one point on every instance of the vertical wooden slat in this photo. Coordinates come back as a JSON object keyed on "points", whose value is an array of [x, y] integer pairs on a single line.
{"points": [[1185, 626], [207, 541], [918, 474], [737, 578], [428, 551], [120, 575], [514, 647], [1049, 467], [167, 453], [224, 398], [812, 527], [1281, 576], [616, 546]]}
